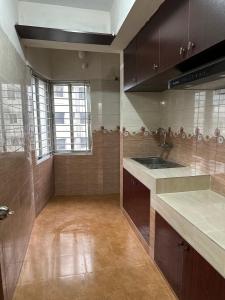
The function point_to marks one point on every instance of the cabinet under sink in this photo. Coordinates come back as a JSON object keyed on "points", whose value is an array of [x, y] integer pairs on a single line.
{"points": [[136, 203]]}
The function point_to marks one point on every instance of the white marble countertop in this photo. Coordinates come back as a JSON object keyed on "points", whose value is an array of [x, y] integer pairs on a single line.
{"points": [[167, 180], [199, 217]]}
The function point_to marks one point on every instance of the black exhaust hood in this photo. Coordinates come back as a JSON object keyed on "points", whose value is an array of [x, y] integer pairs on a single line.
{"points": [[210, 72]]}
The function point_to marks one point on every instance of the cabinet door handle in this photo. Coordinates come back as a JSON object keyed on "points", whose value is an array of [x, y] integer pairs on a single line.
{"points": [[5, 212], [182, 51], [191, 45], [186, 248], [180, 244], [155, 67]]}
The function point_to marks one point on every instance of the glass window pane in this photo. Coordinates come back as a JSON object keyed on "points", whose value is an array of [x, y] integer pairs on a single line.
{"points": [[71, 117], [42, 117]]}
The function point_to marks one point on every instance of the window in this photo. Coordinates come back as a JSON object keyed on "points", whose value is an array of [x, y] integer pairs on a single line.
{"points": [[59, 118], [11, 118], [61, 144], [71, 106], [42, 117]]}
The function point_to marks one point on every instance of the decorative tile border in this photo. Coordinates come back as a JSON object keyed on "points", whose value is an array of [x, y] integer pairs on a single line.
{"points": [[197, 135], [141, 132], [104, 130]]}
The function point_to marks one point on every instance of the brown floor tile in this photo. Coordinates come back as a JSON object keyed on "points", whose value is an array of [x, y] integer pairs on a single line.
{"points": [[82, 248]]}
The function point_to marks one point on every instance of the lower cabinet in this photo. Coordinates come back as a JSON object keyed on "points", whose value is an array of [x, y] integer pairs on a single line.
{"points": [[188, 273], [169, 253], [136, 202]]}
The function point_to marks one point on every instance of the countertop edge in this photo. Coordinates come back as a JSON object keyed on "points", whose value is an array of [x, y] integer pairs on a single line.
{"points": [[212, 252]]}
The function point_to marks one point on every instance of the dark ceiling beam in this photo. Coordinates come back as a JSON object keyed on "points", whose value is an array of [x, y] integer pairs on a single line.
{"points": [[58, 35]]}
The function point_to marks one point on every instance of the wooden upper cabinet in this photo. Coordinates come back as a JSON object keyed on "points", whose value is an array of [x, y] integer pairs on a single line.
{"points": [[173, 17], [130, 70], [197, 22], [206, 24], [215, 22], [148, 50], [179, 30]]}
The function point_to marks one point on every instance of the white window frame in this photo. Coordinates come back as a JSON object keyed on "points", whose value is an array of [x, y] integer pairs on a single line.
{"points": [[71, 117], [38, 140]]}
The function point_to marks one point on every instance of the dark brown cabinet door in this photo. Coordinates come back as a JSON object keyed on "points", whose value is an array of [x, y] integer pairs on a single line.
{"points": [[189, 274], [215, 22], [173, 16], [200, 280], [169, 253], [148, 50], [206, 24], [136, 202], [1, 287], [127, 191], [197, 22], [130, 70]]}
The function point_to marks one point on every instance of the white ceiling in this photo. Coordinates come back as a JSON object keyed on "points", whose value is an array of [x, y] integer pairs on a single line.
{"points": [[140, 13], [88, 4]]}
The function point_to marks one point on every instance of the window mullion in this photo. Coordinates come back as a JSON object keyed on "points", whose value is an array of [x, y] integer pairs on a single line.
{"points": [[38, 117], [88, 104], [52, 117], [71, 117], [4, 144]]}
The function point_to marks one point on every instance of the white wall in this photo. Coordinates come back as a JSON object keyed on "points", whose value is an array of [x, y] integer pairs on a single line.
{"points": [[67, 66], [119, 12], [62, 17], [8, 19], [103, 68], [40, 61]]}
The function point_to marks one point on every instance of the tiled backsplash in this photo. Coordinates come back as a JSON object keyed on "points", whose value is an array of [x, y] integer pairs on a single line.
{"points": [[195, 124]]}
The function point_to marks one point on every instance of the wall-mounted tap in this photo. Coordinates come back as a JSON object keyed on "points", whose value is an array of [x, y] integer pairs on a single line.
{"points": [[162, 137]]}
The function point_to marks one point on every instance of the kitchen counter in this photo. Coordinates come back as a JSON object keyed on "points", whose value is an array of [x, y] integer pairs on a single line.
{"points": [[184, 199], [167, 180], [199, 217]]}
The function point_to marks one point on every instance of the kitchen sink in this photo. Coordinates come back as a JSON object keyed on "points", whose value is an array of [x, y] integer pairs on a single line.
{"points": [[157, 163]]}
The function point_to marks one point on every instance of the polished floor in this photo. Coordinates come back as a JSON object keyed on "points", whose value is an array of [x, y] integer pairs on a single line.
{"points": [[82, 248]]}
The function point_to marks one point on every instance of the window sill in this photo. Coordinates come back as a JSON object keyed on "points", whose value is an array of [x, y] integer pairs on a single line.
{"points": [[79, 153], [43, 159]]}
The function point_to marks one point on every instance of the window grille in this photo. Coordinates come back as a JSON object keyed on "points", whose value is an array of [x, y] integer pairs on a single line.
{"points": [[72, 123], [11, 118], [42, 117]]}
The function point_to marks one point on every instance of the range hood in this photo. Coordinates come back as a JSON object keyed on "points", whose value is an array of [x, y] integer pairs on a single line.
{"points": [[207, 73]]}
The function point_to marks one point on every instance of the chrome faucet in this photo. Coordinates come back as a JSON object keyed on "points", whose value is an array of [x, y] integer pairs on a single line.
{"points": [[163, 134]]}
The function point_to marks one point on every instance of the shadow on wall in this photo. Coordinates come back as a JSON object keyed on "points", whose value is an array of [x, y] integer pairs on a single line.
{"points": [[141, 110]]}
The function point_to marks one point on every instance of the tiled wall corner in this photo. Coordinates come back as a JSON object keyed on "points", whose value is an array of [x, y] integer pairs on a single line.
{"points": [[97, 173], [43, 177]]}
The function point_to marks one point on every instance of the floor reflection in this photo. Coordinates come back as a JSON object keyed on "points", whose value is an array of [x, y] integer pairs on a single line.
{"points": [[11, 118], [82, 248]]}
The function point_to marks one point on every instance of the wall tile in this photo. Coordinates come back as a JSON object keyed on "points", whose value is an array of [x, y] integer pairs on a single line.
{"points": [[97, 173], [196, 120], [16, 179]]}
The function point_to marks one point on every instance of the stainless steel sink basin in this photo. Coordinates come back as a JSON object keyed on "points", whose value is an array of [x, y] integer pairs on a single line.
{"points": [[157, 163]]}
